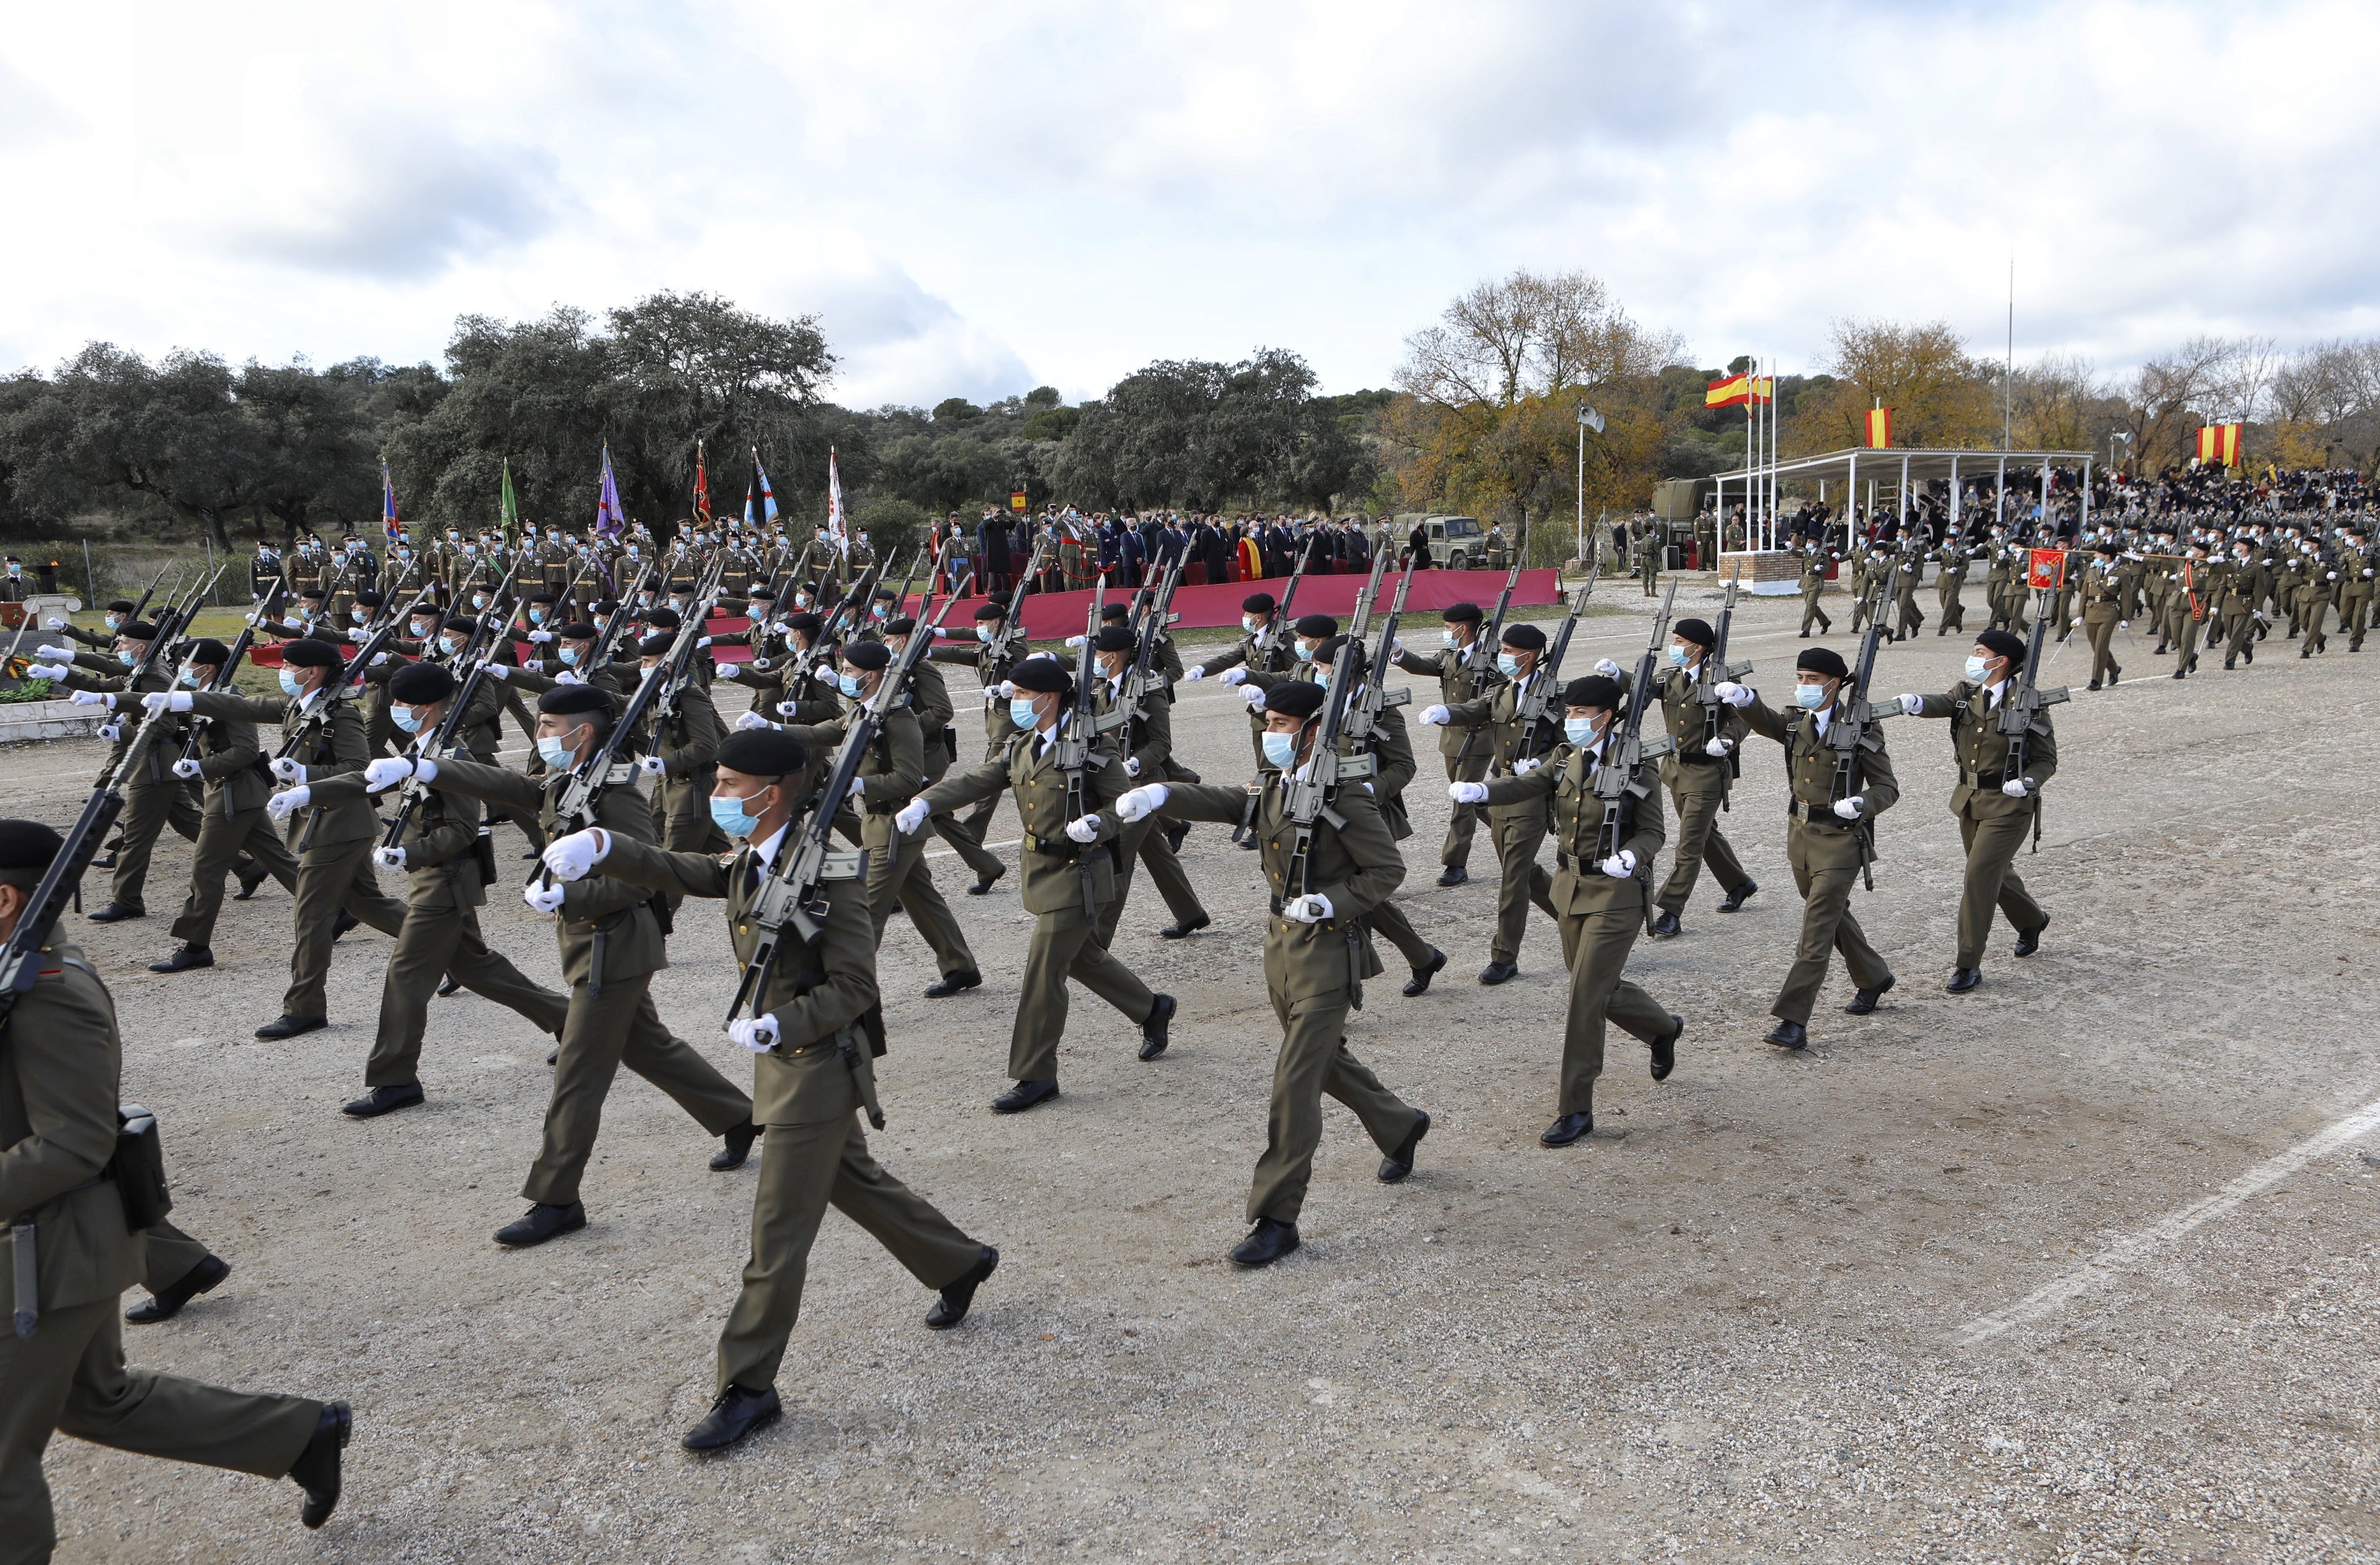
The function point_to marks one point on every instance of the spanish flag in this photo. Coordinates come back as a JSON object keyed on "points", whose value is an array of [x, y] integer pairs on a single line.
{"points": [[2219, 444], [1879, 428], [1733, 392], [1764, 388]]}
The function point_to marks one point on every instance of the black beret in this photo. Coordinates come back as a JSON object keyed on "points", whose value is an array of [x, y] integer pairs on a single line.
{"points": [[1301, 699], [1319, 627], [762, 752], [1592, 690], [663, 619], [311, 592], [463, 623], [138, 630], [1695, 631], [1825, 660], [309, 653], [1043, 676], [1256, 603], [418, 685], [209, 652], [867, 655], [576, 630], [1463, 613], [370, 599], [1115, 639], [564, 700], [1526, 636], [2005, 643], [543, 598], [121, 606], [1115, 614], [901, 626], [807, 624], [656, 645], [990, 611], [607, 605], [28, 844]]}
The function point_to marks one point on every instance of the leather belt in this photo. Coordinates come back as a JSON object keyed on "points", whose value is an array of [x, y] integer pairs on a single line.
{"points": [[1983, 779]]}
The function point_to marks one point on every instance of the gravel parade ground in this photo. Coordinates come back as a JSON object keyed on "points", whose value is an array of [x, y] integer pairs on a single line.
{"points": [[2080, 1266]]}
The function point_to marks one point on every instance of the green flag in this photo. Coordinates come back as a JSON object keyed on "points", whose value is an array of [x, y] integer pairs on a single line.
{"points": [[509, 508]]}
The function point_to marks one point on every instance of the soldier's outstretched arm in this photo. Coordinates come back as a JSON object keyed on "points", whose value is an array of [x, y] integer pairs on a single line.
{"points": [[1221, 802], [1537, 783], [657, 869], [492, 784], [967, 787]]}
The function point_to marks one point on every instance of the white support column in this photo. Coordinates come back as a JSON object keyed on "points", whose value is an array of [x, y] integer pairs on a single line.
{"points": [[1851, 499]]}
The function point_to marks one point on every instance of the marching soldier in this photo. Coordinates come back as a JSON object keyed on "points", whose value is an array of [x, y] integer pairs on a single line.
{"points": [[810, 1035], [2359, 573], [929, 698], [63, 1367], [1949, 574], [993, 662], [1318, 953], [1814, 561], [1250, 653], [1995, 811], [2185, 608], [1827, 836], [1056, 847], [446, 884], [1519, 827], [1697, 772], [611, 943], [1599, 891], [2103, 599], [1466, 761], [2234, 596], [2321, 586], [1906, 567], [1144, 741]]}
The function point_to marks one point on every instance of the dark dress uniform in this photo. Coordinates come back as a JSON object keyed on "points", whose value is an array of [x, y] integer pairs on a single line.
{"points": [[1144, 740], [1698, 784], [992, 663], [1992, 825], [1519, 827], [232, 822], [1466, 760], [154, 797]]}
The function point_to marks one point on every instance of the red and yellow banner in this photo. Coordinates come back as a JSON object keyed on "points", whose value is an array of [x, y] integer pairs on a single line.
{"points": [[2219, 444], [2045, 569], [1879, 428], [1733, 392]]}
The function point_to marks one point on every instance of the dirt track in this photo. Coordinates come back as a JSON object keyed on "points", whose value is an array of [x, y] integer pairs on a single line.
{"points": [[1728, 1326]]}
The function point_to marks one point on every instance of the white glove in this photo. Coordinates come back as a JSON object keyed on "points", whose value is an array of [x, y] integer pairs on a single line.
{"points": [[534, 665], [1312, 909], [389, 770], [56, 622], [155, 701], [1606, 668], [1255, 699], [389, 858], [1086, 830], [282, 806], [1620, 865], [651, 766], [287, 771], [89, 697], [1525, 765], [1197, 672], [2330, 576], [572, 856], [1734, 695], [2123, 624], [1718, 747], [1848, 808], [378, 659], [1467, 793], [700, 642], [1234, 676], [1912, 705], [568, 676], [912, 815], [1396, 646], [544, 899], [1435, 717], [758, 1034], [48, 653], [109, 732], [1132, 766], [1076, 640], [540, 637], [786, 709], [2013, 787], [186, 767], [50, 671], [1142, 802], [747, 720], [497, 671]]}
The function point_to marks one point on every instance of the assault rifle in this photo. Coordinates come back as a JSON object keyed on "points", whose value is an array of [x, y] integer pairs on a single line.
{"points": [[1308, 792], [1011, 641], [2020, 708], [1154, 618], [1481, 659], [1076, 755], [21, 958], [1363, 717], [1538, 711], [1267, 641], [231, 664], [446, 741], [1850, 730], [607, 637], [1715, 668], [680, 661], [1615, 780], [172, 621]]}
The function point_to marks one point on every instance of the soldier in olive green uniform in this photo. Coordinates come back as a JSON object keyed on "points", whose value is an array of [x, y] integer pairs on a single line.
{"points": [[446, 885], [2358, 576], [1952, 562], [1062, 853], [2233, 597], [1996, 810], [1144, 743], [812, 1034], [684, 741], [1600, 893], [1814, 561], [1827, 835], [1519, 827], [1461, 672], [1906, 567], [993, 655], [2103, 592], [1698, 770], [1318, 953], [929, 698], [1258, 650], [611, 944], [323, 738], [2186, 608], [62, 1367]]}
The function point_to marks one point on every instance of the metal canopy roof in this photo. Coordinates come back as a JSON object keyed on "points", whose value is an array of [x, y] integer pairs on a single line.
{"points": [[1888, 462]]}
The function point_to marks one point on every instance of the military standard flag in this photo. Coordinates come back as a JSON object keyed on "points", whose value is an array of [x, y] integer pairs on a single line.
{"points": [[611, 521], [1879, 427]]}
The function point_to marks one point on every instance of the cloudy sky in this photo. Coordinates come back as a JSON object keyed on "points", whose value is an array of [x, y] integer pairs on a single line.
{"points": [[978, 199]]}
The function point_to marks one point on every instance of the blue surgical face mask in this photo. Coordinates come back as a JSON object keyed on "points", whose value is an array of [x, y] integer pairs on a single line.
{"points": [[730, 817], [116, 622], [848, 684], [1304, 653], [404, 718], [1280, 750], [1579, 731], [1976, 669], [1677, 655], [126, 659], [553, 752], [1021, 713], [569, 656], [1508, 665], [190, 677], [289, 685], [984, 633], [537, 616], [1809, 698], [1450, 639]]}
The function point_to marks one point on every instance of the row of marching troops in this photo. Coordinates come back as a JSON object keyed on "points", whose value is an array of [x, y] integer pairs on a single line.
{"points": [[805, 819]]}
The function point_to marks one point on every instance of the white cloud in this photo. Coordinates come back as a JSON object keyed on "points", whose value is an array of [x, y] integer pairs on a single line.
{"points": [[977, 200]]}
